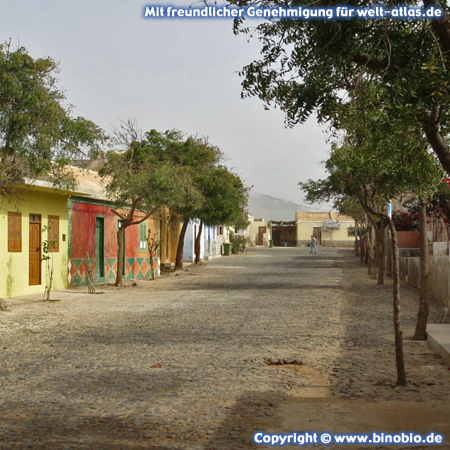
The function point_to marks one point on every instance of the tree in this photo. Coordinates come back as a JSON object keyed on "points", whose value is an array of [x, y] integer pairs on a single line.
{"points": [[225, 199], [196, 158], [378, 160], [48, 246], [306, 66], [141, 180], [38, 134], [153, 243]]}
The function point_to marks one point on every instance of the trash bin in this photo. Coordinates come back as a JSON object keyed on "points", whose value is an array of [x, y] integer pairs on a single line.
{"points": [[227, 249], [270, 243]]}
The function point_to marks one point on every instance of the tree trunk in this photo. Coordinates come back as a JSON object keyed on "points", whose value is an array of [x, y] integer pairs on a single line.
{"points": [[441, 26], [197, 243], [399, 357], [380, 251], [366, 251], [432, 132], [179, 258], [120, 251], [422, 316], [371, 255]]}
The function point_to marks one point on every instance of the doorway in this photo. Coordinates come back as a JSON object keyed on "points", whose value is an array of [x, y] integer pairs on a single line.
{"points": [[99, 247], [35, 250], [317, 233], [260, 236]]}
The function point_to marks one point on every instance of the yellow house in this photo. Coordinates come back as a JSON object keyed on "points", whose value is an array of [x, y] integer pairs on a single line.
{"points": [[258, 232], [38, 214], [331, 229]]}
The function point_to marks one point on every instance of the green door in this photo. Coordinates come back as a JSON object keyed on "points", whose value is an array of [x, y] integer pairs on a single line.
{"points": [[124, 249], [99, 247]]}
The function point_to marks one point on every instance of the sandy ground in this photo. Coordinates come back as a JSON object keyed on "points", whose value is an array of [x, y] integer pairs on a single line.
{"points": [[277, 340]]}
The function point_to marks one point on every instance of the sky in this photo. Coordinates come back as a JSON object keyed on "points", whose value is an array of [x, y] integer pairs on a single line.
{"points": [[168, 74]]}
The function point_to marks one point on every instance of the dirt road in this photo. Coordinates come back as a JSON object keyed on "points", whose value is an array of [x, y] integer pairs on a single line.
{"points": [[276, 340]]}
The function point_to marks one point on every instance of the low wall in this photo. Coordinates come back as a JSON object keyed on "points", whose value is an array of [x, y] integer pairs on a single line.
{"points": [[439, 277]]}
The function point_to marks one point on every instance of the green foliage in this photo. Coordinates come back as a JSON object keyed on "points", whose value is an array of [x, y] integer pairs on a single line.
{"points": [[225, 197], [373, 158], [145, 177], [238, 243], [195, 159], [38, 134], [308, 66]]}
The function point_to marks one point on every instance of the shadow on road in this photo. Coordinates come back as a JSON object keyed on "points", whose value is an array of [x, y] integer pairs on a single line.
{"points": [[252, 412]]}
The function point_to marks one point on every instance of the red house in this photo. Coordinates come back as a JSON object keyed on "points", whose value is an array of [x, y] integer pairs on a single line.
{"points": [[93, 236]]}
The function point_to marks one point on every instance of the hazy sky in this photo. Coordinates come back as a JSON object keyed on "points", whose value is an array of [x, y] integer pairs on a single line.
{"points": [[170, 73]]}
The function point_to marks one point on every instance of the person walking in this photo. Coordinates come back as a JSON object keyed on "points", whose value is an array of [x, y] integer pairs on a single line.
{"points": [[313, 245]]}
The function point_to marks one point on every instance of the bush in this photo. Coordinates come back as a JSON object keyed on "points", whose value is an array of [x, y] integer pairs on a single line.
{"points": [[238, 243]]}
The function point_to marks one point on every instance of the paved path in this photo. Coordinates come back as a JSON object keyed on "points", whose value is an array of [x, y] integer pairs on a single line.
{"points": [[236, 339]]}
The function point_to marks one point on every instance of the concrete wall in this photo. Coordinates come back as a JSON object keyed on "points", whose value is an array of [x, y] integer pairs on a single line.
{"points": [[14, 266], [439, 277]]}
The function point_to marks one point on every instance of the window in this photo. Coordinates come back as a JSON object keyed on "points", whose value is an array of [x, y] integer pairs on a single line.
{"points": [[53, 233], [143, 237], [14, 232], [351, 231]]}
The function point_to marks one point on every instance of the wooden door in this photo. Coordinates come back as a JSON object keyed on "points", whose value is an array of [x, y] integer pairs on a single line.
{"points": [[99, 247], [317, 233], [260, 237], [35, 250]]}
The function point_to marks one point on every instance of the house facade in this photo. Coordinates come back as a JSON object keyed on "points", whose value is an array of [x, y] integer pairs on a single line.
{"points": [[258, 232], [38, 214], [93, 228], [211, 241], [331, 229]]}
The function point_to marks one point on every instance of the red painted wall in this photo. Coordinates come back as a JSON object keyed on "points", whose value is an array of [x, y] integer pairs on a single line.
{"points": [[83, 230], [408, 239]]}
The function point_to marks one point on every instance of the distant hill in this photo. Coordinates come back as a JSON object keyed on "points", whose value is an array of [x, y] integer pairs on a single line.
{"points": [[262, 206]]}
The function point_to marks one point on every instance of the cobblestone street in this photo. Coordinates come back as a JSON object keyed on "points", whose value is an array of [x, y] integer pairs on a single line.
{"points": [[274, 340]]}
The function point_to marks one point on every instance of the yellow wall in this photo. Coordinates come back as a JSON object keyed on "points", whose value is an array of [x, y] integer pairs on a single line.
{"points": [[170, 232], [253, 229], [329, 238], [14, 266]]}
